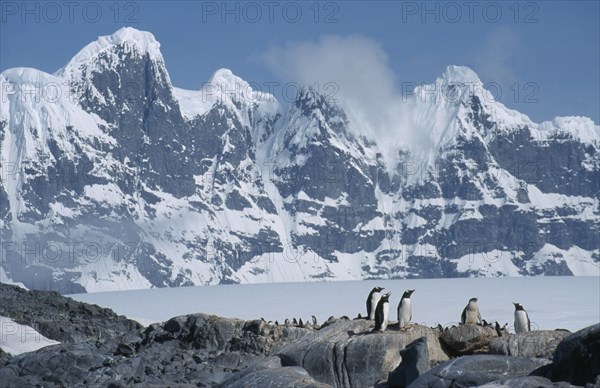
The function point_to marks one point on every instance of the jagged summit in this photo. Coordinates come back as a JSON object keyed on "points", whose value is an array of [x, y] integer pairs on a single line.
{"points": [[454, 73], [141, 42]]}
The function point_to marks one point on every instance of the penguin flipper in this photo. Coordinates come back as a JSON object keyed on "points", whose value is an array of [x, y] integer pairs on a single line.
{"points": [[528, 321], [463, 316]]}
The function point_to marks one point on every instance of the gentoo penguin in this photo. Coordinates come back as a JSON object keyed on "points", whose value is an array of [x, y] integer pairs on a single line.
{"points": [[405, 308], [522, 323], [382, 312], [372, 301], [314, 320], [470, 314]]}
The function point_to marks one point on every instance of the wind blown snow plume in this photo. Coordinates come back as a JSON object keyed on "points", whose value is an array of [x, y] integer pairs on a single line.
{"points": [[365, 85]]}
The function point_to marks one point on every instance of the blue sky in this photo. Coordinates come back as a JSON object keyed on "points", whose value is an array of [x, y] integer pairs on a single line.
{"points": [[544, 56]]}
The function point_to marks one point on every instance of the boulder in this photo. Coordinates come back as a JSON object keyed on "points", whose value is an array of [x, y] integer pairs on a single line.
{"points": [[468, 339], [540, 343], [270, 373], [527, 382], [347, 354], [475, 370], [415, 362], [577, 357]]}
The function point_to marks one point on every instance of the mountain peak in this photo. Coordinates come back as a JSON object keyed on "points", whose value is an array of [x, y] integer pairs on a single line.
{"points": [[454, 74], [141, 42], [224, 78]]}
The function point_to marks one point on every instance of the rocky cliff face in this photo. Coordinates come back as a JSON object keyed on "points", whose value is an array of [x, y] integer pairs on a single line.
{"points": [[114, 179]]}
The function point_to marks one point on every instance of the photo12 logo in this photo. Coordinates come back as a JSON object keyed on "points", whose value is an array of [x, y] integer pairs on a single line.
{"points": [[69, 11], [469, 11], [452, 92], [270, 12]]}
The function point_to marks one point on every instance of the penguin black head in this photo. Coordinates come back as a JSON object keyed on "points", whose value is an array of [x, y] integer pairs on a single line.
{"points": [[377, 289], [407, 293], [386, 297], [518, 306], [473, 300]]}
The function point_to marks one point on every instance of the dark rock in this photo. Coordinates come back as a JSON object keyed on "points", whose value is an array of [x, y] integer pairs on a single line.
{"points": [[540, 343], [292, 377], [468, 339], [61, 318], [173, 325], [335, 354], [124, 350], [3, 356], [528, 382], [270, 373], [415, 362], [577, 357], [468, 371]]}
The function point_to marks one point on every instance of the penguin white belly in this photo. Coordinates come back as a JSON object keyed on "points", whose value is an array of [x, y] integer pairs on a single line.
{"points": [[386, 315], [404, 312], [472, 316], [521, 321], [374, 300]]}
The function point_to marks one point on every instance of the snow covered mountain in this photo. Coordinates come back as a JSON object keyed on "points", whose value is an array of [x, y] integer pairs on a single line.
{"points": [[112, 178]]}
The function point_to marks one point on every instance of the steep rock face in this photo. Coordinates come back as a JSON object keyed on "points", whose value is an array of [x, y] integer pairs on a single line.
{"points": [[112, 178]]}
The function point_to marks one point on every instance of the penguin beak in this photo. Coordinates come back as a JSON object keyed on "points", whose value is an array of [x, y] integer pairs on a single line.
{"points": [[411, 291], [515, 303]]}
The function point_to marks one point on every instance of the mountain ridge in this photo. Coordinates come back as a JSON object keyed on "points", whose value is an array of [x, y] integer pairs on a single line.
{"points": [[176, 187]]}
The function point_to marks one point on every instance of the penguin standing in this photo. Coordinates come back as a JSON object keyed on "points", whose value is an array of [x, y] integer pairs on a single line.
{"points": [[382, 312], [405, 309], [372, 301], [522, 322], [471, 315]]}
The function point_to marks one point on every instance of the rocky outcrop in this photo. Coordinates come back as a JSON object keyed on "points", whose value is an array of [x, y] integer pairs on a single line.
{"points": [[540, 343], [347, 354], [415, 362], [468, 371], [577, 357], [206, 350], [60, 318], [468, 339]]}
